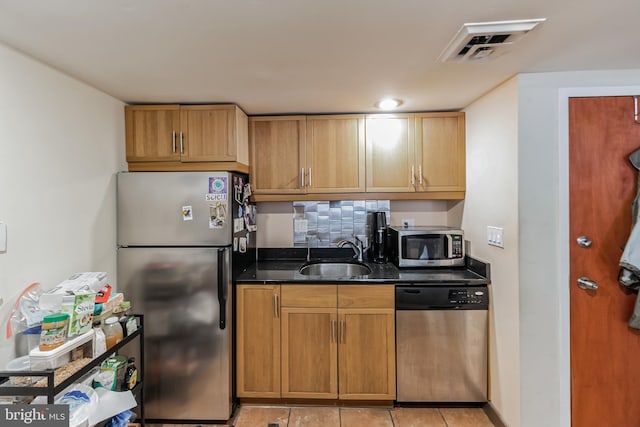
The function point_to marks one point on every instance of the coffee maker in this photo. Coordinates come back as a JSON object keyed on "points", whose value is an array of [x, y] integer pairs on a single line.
{"points": [[378, 245]]}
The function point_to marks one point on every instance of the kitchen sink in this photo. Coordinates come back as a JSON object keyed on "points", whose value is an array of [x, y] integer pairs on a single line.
{"points": [[335, 268]]}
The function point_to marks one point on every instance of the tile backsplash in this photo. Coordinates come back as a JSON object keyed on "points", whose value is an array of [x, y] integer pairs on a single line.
{"points": [[322, 224]]}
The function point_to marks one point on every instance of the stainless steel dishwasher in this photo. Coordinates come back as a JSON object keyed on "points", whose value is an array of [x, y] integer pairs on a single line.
{"points": [[441, 343]]}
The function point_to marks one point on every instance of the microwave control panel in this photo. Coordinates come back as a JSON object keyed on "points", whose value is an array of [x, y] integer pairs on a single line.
{"points": [[456, 246]]}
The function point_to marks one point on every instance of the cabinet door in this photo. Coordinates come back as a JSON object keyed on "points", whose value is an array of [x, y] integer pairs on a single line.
{"points": [[152, 133], [335, 154], [390, 153], [258, 341], [277, 153], [366, 352], [209, 133], [309, 353], [440, 152]]}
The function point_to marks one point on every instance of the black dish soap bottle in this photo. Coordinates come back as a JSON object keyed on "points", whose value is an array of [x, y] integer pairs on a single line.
{"points": [[130, 375]]}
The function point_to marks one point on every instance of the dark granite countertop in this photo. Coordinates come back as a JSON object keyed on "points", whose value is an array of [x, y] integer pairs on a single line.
{"points": [[273, 268]]}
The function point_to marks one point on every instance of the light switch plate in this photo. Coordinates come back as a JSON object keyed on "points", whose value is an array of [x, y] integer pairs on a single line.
{"points": [[3, 237], [495, 236]]}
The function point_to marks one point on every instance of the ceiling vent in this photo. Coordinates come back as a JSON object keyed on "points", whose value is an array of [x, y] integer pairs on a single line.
{"points": [[481, 41]]}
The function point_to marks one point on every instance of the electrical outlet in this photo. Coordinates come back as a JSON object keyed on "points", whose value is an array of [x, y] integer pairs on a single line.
{"points": [[495, 236], [408, 222]]}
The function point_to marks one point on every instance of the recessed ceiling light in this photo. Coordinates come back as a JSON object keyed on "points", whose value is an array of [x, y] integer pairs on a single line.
{"points": [[388, 104]]}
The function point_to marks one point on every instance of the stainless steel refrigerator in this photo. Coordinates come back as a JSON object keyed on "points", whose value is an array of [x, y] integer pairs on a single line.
{"points": [[181, 235]]}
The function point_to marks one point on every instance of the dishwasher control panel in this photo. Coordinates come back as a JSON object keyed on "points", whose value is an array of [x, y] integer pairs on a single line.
{"points": [[466, 296], [441, 297]]}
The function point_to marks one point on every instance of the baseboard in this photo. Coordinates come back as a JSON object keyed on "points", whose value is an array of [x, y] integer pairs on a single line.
{"points": [[493, 415]]}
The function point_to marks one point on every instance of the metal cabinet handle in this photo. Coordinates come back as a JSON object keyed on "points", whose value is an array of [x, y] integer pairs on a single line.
{"points": [[587, 284], [420, 174], [342, 327], [333, 331], [302, 177], [584, 241], [413, 175], [181, 143], [309, 177], [275, 305], [174, 141]]}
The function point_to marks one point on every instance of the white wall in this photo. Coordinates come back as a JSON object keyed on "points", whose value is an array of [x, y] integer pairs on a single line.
{"points": [[492, 199], [61, 143], [275, 219], [543, 223]]}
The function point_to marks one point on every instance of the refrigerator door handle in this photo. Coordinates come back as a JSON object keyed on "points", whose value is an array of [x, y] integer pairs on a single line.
{"points": [[222, 299]]}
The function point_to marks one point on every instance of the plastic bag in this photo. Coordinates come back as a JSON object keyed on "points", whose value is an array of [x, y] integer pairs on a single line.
{"points": [[26, 312], [120, 420]]}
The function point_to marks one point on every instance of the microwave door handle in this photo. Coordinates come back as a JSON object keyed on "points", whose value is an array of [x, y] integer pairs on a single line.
{"points": [[449, 246]]}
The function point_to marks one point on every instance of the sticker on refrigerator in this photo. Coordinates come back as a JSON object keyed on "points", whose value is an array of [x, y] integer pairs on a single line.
{"points": [[217, 215], [217, 189], [187, 213], [243, 245], [238, 224], [235, 244], [250, 217]]}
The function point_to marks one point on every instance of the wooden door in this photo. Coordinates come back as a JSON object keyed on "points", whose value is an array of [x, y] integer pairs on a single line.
{"points": [[277, 152], [152, 132], [258, 341], [390, 153], [209, 133], [605, 373], [335, 154], [366, 354], [309, 353], [440, 152]]}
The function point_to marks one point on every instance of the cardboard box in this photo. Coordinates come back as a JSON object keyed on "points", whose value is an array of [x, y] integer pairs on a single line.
{"points": [[88, 282]]}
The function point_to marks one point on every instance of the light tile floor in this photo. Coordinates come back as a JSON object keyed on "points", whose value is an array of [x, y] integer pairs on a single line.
{"points": [[262, 416]]}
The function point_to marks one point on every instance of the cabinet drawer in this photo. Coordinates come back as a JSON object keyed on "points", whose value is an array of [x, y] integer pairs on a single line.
{"points": [[308, 296], [366, 296]]}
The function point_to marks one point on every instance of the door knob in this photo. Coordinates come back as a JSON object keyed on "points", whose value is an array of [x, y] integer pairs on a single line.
{"points": [[587, 284], [584, 241]]}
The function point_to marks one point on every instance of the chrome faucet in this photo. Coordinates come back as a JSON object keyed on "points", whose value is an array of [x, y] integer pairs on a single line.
{"points": [[357, 246]]}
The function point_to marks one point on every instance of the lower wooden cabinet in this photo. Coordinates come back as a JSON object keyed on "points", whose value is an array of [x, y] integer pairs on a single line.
{"points": [[335, 342], [258, 341], [309, 350], [367, 354]]}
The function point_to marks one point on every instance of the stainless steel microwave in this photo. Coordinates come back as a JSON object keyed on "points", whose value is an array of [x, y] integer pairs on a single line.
{"points": [[426, 246]]}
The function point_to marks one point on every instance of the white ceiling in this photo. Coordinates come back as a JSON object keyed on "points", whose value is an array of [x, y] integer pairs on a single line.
{"points": [[309, 56]]}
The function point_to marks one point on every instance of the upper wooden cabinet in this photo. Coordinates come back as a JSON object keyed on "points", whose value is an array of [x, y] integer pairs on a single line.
{"points": [[152, 133], [440, 152], [423, 153], [390, 152], [335, 154], [186, 137], [408, 156], [307, 154], [277, 149]]}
